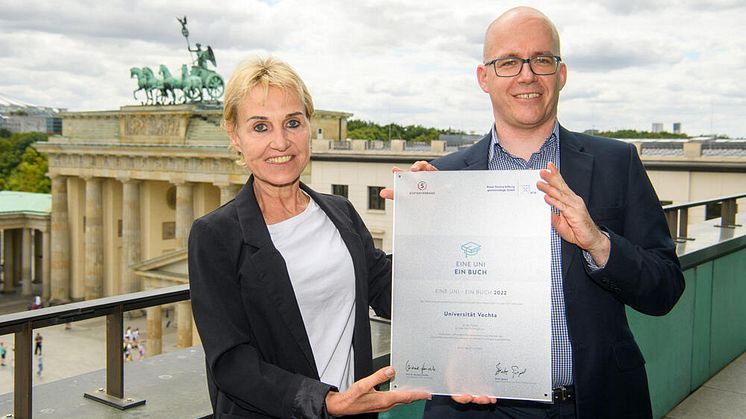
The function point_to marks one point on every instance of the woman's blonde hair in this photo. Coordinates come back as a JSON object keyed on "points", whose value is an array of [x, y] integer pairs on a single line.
{"points": [[265, 72]]}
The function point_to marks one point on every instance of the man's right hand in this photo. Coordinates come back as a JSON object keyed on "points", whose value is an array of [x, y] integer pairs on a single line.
{"points": [[419, 166], [464, 399]]}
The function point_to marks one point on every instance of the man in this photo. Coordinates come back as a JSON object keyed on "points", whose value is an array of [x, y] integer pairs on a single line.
{"points": [[610, 242]]}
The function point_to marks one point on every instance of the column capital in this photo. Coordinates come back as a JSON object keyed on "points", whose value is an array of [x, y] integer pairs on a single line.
{"points": [[127, 179], [180, 182]]}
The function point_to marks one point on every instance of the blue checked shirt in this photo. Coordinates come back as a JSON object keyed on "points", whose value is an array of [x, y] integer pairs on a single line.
{"points": [[499, 159]]}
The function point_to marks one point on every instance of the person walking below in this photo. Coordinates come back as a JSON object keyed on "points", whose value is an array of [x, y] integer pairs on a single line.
{"points": [[37, 347], [3, 352]]}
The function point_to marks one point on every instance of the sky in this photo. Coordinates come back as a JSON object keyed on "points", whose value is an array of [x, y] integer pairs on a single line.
{"points": [[630, 62]]}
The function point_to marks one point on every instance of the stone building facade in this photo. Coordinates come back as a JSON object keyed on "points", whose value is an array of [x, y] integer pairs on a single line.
{"points": [[127, 184]]}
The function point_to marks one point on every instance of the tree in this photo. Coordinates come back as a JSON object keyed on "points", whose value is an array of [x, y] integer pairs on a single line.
{"points": [[630, 133], [369, 130], [12, 153], [31, 173]]}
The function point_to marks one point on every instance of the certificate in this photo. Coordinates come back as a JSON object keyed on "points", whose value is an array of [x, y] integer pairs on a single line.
{"points": [[472, 284]]}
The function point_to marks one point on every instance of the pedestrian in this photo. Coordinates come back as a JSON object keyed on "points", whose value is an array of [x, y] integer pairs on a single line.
{"points": [[141, 349], [128, 334], [128, 351], [3, 351], [37, 347], [136, 333]]}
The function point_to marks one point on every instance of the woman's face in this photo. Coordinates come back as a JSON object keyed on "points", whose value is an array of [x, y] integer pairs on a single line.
{"points": [[272, 133]]}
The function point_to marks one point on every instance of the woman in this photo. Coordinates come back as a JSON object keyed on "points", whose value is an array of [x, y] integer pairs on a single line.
{"points": [[281, 277]]}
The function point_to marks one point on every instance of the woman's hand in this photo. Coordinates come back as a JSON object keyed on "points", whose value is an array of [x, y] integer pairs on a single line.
{"points": [[362, 397]]}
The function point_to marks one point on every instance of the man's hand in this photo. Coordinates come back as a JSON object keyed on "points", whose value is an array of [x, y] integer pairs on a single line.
{"points": [[574, 223], [464, 399], [419, 166], [362, 397]]}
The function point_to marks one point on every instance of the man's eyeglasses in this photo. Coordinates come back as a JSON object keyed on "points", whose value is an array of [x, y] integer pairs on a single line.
{"points": [[541, 65]]}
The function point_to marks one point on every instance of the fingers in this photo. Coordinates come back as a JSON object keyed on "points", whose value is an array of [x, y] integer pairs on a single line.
{"points": [[423, 166], [466, 398], [419, 166], [378, 377]]}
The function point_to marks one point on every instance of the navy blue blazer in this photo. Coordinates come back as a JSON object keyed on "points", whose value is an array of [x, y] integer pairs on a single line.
{"points": [[260, 362], [642, 272]]}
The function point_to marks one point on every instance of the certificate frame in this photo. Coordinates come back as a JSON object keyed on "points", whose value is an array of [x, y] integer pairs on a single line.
{"points": [[471, 300]]}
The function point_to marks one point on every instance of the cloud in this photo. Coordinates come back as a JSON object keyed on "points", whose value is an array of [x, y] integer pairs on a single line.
{"points": [[630, 62]]}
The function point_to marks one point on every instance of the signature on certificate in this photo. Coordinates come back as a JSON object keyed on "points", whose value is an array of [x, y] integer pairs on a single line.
{"points": [[419, 368], [512, 372]]}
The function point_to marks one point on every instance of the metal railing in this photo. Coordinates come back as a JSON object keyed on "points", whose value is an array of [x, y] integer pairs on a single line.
{"points": [[678, 215], [22, 324]]}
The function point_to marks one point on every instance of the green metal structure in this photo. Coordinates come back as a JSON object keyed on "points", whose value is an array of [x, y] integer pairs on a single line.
{"points": [[198, 84]]}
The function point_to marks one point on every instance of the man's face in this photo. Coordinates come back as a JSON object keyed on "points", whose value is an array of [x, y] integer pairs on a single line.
{"points": [[526, 101]]}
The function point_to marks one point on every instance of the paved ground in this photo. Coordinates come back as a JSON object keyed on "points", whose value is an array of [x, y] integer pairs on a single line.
{"points": [[67, 353], [721, 397]]}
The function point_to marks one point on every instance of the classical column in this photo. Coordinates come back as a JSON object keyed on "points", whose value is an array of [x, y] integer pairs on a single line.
{"points": [[8, 267], [38, 250], [26, 257], [227, 191], [131, 247], [46, 257], [60, 242], [184, 213], [155, 331], [183, 324], [94, 240]]}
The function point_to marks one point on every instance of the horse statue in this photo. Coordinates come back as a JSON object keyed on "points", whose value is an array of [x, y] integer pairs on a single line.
{"points": [[170, 83], [142, 84], [190, 85], [156, 85]]}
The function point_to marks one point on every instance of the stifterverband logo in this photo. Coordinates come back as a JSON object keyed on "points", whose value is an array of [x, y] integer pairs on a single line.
{"points": [[422, 185]]}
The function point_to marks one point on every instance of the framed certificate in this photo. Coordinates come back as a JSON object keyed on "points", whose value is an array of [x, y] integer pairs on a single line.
{"points": [[471, 284]]}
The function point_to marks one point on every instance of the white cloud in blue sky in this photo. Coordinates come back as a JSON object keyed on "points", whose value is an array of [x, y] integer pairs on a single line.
{"points": [[630, 62]]}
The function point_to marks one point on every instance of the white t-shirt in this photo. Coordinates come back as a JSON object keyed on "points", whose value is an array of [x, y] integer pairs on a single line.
{"points": [[323, 278]]}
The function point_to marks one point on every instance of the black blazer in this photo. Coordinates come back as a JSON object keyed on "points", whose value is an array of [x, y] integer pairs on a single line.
{"points": [[642, 272], [259, 360]]}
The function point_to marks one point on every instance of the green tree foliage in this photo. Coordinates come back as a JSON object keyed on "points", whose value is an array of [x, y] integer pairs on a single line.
{"points": [[13, 152], [368, 130], [31, 173], [630, 133]]}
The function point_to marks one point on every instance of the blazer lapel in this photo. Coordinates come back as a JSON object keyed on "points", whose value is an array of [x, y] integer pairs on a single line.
{"points": [[271, 268], [576, 167], [477, 155]]}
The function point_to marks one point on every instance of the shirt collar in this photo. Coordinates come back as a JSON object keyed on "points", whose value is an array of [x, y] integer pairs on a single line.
{"points": [[554, 136]]}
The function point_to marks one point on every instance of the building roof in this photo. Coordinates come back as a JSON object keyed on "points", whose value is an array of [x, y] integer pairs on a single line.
{"points": [[25, 203]]}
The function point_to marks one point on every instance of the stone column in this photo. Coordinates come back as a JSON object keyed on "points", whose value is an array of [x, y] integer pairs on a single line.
{"points": [[184, 213], [227, 191], [18, 257], [94, 240], [183, 324], [38, 270], [60, 242], [46, 256], [131, 246], [26, 257], [154, 344], [8, 267]]}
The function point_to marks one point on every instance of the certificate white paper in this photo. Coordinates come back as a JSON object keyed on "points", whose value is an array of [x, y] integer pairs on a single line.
{"points": [[472, 284]]}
